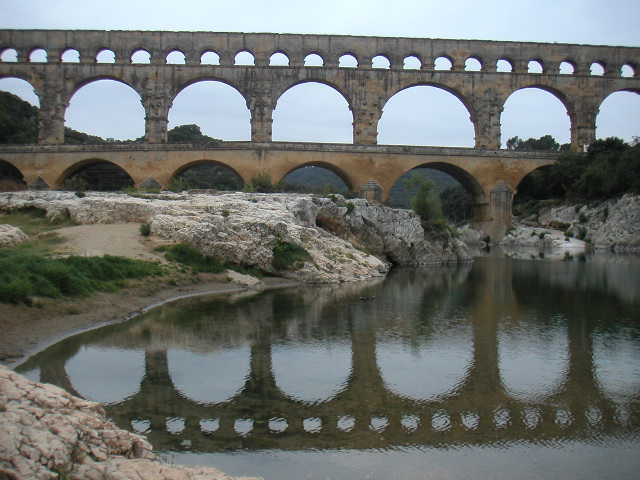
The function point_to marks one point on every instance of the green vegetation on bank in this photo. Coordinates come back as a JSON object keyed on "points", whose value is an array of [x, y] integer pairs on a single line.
{"points": [[25, 273], [610, 168], [288, 256], [189, 256]]}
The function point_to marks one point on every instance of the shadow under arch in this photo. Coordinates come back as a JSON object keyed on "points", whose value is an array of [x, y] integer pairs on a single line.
{"points": [[538, 184], [466, 179], [95, 174], [457, 94], [210, 174], [340, 173], [11, 178]]}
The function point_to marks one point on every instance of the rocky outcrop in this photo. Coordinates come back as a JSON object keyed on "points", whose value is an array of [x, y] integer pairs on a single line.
{"points": [[11, 236], [613, 224], [346, 240], [46, 433]]}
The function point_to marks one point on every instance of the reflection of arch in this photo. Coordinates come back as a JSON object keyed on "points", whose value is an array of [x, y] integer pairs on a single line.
{"points": [[327, 166], [99, 174], [205, 162], [459, 96]]}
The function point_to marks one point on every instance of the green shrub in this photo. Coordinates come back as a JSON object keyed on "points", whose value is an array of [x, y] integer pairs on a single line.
{"points": [[187, 255], [288, 256], [145, 229]]}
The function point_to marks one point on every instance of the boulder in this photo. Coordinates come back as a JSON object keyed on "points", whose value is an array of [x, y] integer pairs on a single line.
{"points": [[11, 236]]}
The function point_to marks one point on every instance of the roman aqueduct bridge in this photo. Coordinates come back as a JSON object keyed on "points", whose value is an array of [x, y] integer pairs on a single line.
{"points": [[491, 174]]}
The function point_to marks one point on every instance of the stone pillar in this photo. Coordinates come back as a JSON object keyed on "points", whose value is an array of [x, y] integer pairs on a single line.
{"points": [[53, 105], [365, 123], [583, 124], [486, 120], [156, 106], [500, 202], [371, 191], [261, 108]]}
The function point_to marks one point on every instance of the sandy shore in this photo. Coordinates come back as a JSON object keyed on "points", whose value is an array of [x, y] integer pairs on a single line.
{"points": [[29, 329]]}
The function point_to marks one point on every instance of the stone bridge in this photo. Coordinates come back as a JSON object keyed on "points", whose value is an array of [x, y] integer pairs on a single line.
{"points": [[485, 170]]}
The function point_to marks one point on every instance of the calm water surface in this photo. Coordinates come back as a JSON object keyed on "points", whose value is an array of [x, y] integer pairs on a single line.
{"points": [[505, 369]]}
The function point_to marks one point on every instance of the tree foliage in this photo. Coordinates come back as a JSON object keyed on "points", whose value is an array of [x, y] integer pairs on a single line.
{"points": [[18, 120], [426, 201], [610, 168], [546, 143], [190, 134]]}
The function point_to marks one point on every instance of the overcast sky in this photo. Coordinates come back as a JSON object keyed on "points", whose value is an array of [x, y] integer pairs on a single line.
{"points": [[314, 112]]}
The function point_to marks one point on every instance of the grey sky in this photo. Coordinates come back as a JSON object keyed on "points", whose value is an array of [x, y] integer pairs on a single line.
{"points": [[315, 112]]}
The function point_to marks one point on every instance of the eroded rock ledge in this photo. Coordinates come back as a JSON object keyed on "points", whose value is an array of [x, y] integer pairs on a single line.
{"points": [[347, 240], [46, 433]]}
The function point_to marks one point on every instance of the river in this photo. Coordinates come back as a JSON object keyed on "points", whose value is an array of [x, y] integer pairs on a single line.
{"points": [[507, 368]]}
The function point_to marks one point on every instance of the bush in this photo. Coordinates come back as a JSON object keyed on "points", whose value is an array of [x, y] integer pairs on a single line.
{"points": [[261, 183], [187, 255], [145, 229], [288, 256]]}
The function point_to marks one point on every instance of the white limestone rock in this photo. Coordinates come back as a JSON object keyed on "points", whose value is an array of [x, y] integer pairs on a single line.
{"points": [[11, 236], [45, 432]]}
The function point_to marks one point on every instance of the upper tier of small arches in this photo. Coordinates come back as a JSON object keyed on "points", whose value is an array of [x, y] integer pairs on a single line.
{"points": [[272, 50]]}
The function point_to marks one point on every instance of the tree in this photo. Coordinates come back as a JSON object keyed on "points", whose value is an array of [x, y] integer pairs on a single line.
{"points": [[18, 120], [426, 201], [190, 134], [545, 143]]}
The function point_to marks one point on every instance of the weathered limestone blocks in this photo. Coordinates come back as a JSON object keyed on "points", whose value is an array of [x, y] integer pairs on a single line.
{"points": [[346, 240], [11, 236], [46, 433]]}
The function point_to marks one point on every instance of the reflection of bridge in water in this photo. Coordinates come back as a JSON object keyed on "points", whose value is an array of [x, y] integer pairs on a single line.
{"points": [[365, 412]]}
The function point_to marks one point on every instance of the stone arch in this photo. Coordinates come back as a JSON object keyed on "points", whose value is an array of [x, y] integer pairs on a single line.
{"points": [[528, 183], [348, 60], [535, 65], [142, 56], [38, 55], [597, 68], [628, 70], [381, 61], [104, 54], [24, 81], [70, 55], [314, 59], [207, 162], [229, 100], [86, 81], [8, 54], [279, 58], [457, 94], [209, 57], [94, 171], [618, 109], [463, 176], [342, 174], [11, 178], [341, 93], [558, 94], [244, 57], [443, 62], [567, 67], [412, 62], [175, 56], [504, 65], [473, 63]]}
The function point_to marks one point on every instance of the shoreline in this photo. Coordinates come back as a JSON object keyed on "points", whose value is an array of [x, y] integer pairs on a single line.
{"points": [[28, 330]]}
